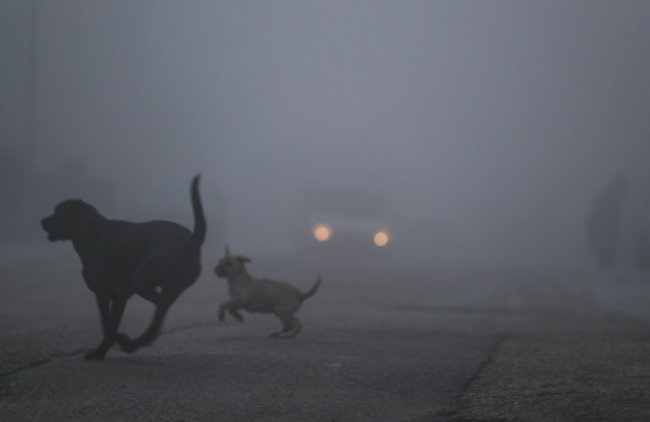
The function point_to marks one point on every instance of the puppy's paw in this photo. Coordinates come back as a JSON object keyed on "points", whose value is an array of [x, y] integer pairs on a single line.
{"points": [[95, 355], [286, 336], [237, 316]]}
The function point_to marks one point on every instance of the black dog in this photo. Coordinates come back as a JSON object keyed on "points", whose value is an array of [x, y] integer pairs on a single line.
{"points": [[156, 260]]}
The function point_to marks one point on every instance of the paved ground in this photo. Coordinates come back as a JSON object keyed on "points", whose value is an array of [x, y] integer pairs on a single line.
{"points": [[390, 344]]}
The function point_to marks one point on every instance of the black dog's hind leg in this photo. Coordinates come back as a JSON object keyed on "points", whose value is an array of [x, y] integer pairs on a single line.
{"points": [[152, 269], [148, 337], [148, 293], [111, 315]]}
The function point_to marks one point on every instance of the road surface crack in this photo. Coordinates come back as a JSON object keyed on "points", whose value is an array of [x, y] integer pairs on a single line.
{"points": [[43, 361], [453, 411], [58, 355], [488, 359]]}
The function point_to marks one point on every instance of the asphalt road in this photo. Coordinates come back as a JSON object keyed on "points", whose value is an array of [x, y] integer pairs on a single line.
{"points": [[380, 344]]}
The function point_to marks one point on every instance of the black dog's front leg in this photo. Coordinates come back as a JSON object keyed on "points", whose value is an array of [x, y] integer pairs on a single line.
{"points": [[111, 317]]}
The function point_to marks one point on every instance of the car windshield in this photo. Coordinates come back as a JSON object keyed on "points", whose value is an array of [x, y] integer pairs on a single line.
{"points": [[345, 203]]}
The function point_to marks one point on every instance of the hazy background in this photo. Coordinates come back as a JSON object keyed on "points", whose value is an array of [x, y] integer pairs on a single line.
{"points": [[490, 126]]}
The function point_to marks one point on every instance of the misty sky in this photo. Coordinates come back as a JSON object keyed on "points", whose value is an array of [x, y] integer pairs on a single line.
{"points": [[500, 120]]}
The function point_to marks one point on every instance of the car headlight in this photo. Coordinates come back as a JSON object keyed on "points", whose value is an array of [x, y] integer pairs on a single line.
{"points": [[381, 238], [322, 232]]}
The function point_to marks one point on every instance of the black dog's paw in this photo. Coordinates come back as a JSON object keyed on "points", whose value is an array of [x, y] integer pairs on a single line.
{"points": [[222, 316], [125, 343], [237, 316], [122, 339], [95, 355], [129, 348]]}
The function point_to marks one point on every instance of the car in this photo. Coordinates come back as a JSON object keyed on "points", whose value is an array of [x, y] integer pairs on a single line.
{"points": [[343, 224]]}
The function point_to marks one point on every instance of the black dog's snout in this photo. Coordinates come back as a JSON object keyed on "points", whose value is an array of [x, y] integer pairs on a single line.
{"points": [[48, 226]]}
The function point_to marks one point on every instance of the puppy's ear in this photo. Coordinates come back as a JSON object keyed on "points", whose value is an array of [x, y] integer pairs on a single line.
{"points": [[243, 259]]}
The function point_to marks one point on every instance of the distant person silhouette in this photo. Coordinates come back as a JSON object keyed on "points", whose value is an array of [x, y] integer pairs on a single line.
{"points": [[603, 224]]}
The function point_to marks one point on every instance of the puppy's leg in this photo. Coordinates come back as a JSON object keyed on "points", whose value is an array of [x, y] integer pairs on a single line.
{"points": [[235, 314], [232, 306], [286, 326], [291, 326], [111, 317]]}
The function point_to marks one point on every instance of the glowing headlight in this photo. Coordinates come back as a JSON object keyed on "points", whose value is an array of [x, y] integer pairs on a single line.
{"points": [[381, 238], [322, 232]]}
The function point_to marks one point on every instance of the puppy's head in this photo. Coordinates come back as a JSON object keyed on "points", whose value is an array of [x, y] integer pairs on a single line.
{"points": [[68, 217], [230, 265]]}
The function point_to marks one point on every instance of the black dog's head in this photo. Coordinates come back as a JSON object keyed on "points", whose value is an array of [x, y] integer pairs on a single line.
{"points": [[67, 218], [230, 265]]}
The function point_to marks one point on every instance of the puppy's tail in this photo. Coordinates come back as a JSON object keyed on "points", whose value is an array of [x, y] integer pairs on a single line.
{"points": [[200, 226], [311, 291]]}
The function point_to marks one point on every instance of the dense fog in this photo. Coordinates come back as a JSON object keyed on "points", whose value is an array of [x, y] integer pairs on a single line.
{"points": [[488, 128]]}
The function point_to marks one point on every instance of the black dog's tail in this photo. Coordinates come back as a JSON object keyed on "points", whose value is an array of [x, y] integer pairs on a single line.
{"points": [[311, 291], [200, 226]]}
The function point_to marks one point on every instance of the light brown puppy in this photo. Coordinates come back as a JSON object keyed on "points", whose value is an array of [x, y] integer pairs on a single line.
{"points": [[260, 295]]}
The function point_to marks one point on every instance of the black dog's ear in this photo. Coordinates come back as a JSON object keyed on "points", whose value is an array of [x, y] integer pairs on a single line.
{"points": [[227, 250], [243, 259]]}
